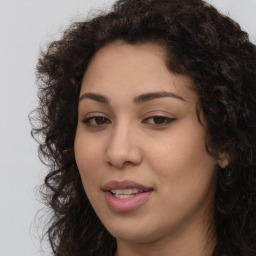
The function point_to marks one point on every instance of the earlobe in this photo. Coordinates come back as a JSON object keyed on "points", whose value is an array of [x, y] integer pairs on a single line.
{"points": [[223, 160]]}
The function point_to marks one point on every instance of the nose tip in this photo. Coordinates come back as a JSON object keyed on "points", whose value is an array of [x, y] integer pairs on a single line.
{"points": [[122, 151], [120, 157]]}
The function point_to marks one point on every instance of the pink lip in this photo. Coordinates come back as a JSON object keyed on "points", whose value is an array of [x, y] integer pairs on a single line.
{"points": [[127, 204], [124, 184]]}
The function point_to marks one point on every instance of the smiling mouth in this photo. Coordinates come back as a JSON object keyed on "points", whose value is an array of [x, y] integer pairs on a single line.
{"points": [[125, 188], [125, 193]]}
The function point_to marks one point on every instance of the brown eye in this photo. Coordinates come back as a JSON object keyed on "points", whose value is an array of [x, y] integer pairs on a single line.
{"points": [[158, 120], [100, 120], [96, 121]]}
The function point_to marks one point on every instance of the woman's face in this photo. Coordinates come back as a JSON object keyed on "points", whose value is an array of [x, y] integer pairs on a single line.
{"points": [[139, 146]]}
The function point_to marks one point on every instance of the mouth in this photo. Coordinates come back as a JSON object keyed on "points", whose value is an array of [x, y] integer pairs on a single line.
{"points": [[126, 187], [125, 195]]}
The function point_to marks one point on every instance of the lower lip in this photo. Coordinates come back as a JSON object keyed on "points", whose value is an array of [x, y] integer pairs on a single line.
{"points": [[126, 204]]}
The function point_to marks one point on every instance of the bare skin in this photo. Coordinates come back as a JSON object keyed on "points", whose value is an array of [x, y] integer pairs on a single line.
{"points": [[137, 121]]}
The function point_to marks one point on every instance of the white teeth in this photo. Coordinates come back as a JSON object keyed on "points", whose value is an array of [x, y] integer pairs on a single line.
{"points": [[122, 196], [125, 193]]}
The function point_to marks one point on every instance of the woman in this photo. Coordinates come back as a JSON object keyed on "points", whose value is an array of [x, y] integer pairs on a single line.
{"points": [[148, 123]]}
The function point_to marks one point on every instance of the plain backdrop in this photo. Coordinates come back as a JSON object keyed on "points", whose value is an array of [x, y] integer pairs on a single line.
{"points": [[25, 27]]}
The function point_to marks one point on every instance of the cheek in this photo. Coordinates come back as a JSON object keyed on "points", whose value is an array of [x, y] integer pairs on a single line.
{"points": [[183, 170], [88, 161], [88, 157], [182, 156]]}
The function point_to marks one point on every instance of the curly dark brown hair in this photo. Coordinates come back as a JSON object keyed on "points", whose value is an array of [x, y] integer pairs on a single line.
{"points": [[201, 43]]}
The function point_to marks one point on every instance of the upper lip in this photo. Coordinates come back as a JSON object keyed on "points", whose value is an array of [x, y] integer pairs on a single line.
{"points": [[112, 185]]}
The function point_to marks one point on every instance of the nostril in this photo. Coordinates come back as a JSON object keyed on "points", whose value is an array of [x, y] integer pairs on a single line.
{"points": [[120, 164]]}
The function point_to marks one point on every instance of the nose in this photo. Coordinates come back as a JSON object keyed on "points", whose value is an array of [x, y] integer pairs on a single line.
{"points": [[123, 147]]}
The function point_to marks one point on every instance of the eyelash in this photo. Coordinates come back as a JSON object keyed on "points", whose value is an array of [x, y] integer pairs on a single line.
{"points": [[165, 121], [88, 121]]}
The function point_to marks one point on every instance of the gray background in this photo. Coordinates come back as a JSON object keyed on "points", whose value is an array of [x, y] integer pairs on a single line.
{"points": [[25, 26]]}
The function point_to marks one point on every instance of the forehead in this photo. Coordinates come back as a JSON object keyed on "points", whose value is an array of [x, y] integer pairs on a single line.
{"points": [[122, 48], [142, 67], [120, 55]]}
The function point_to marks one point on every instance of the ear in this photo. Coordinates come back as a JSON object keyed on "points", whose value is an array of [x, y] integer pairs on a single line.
{"points": [[223, 160]]}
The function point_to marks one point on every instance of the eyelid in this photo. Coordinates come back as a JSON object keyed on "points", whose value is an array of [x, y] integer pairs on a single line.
{"points": [[93, 115], [158, 113], [165, 120]]}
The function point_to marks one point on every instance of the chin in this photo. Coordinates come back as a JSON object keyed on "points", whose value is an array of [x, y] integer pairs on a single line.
{"points": [[132, 231]]}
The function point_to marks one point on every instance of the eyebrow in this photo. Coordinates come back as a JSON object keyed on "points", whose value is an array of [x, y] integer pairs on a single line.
{"points": [[138, 100], [154, 95], [95, 96]]}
